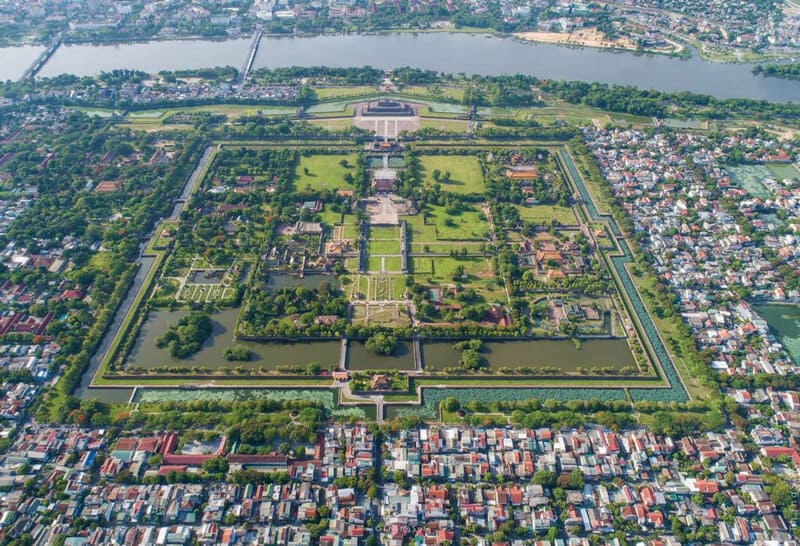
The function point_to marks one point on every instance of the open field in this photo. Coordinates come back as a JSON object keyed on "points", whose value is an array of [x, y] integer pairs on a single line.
{"points": [[382, 246], [332, 124], [328, 93], [468, 225], [544, 214], [450, 125], [419, 231], [324, 171], [465, 173]]}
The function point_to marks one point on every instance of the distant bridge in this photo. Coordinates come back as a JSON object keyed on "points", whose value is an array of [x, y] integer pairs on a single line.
{"points": [[38, 63], [251, 56]]}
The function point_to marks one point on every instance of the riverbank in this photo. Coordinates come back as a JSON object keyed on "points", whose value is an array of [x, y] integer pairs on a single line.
{"points": [[593, 38]]}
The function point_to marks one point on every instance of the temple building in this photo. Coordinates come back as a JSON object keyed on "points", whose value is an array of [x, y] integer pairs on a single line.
{"points": [[387, 108]]}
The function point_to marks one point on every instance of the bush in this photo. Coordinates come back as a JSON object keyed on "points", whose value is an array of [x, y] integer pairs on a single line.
{"points": [[381, 344], [186, 337], [237, 353]]}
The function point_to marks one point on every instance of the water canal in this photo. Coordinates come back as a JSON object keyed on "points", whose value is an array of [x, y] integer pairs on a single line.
{"points": [[562, 354]]}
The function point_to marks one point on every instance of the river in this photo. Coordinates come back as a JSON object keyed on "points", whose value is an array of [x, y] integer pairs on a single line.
{"points": [[15, 60], [152, 57], [444, 52]]}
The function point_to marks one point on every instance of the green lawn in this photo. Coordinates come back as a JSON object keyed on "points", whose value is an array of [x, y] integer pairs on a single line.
{"points": [[465, 172], [441, 269], [327, 93], [384, 232], [468, 225], [324, 171], [383, 247], [392, 263], [419, 231], [445, 246], [544, 214], [329, 217], [449, 125]]}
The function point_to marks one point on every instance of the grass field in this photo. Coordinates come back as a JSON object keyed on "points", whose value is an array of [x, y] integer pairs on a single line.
{"points": [[445, 246], [383, 247], [544, 214], [465, 172], [350, 228], [469, 225], [332, 124], [419, 231], [384, 232], [330, 217], [445, 93], [441, 270], [324, 171], [449, 125], [326, 93]]}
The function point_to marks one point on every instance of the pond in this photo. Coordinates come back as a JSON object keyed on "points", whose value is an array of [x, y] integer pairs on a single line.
{"points": [[561, 354], [359, 358], [782, 171], [784, 320], [264, 355], [277, 281], [750, 177]]}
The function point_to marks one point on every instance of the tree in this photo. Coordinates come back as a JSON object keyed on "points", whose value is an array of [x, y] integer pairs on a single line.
{"points": [[237, 353], [573, 480], [781, 494], [217, 465], [381, 344], [545, 478], [451, 404]]}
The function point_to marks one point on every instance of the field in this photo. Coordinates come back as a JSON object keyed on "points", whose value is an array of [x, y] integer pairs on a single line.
{"points": [[783, 170], [544, 214], [336, 124], [328, 93], [442, 270], [465, 173], [383, 247], [449, 125], [470, 225], [324, 171]]}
